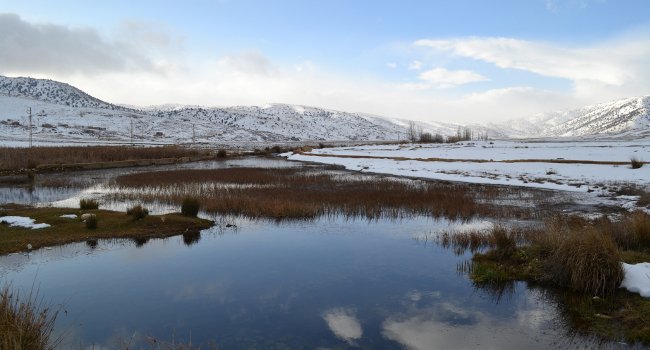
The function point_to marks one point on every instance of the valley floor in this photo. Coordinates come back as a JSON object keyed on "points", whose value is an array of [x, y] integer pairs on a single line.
{"points": [[600, 169]]}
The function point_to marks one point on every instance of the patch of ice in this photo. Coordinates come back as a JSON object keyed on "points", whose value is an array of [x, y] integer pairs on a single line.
{"points": [[69, 216], [637, 278], [22, 221]]}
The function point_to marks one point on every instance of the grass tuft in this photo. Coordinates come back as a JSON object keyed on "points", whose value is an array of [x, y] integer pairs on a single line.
{"points": [[88, 204], [587, 262], [91, 222], [190, 207], [636, 163], [137, 212], [24, 324]]}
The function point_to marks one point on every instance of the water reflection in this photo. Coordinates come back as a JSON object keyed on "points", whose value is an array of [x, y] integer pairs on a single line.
{"points": [[190, 238], [344, 324], [140, 241], [443, 322], [65, 189]]}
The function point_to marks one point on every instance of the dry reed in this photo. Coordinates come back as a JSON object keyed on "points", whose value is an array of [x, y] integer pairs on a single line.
{"points": [[23, 158], [300, 193], [24, 324]]}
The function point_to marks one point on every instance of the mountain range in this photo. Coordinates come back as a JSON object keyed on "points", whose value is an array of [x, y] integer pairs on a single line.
{"points": [[61, 112]]}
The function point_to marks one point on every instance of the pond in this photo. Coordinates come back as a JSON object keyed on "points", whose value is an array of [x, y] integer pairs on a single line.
{"points": [[330, 283]]}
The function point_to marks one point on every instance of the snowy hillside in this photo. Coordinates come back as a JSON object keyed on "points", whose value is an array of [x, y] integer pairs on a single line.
{"points": [[51, 91], [626, 117], [64, 113]]}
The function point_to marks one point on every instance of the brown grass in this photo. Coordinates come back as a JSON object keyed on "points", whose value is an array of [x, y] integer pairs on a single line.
{"points": [[587, 262], [23, 158], [24, 324], [569, 252], [300, 193]]}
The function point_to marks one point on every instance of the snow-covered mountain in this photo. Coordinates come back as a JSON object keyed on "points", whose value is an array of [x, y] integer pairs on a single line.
{"points": [[628, 117], [51, 91], [63, 112]]}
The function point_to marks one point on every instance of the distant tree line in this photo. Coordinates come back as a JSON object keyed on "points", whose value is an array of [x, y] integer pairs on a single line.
{"points": [[415, 133]]}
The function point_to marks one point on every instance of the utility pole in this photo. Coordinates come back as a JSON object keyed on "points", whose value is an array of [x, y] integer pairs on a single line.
{"points": [[29, 111]]}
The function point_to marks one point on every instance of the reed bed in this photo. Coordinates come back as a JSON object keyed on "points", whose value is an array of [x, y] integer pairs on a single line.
{"points": [[24, 158], [307, 193]]}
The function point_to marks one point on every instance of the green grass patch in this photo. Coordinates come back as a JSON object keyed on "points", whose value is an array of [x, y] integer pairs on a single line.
{"points": [[112, 225]]}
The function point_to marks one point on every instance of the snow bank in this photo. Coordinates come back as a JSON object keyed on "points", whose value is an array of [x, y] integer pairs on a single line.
{"points": [[22, 221], [637, 278]]}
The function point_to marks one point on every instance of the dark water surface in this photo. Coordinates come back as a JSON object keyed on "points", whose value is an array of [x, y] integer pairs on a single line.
{"points": [[331, 283]]}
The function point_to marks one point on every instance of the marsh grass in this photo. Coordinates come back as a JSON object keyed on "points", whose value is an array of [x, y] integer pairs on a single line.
{"points": [[569, 252], [25, 324], [137, 212], [587, 262], [636, 163], [27, 158], [88, 204], [299, 193]]}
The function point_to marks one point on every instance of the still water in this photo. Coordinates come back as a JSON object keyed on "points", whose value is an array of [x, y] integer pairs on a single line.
{"points": [[332, 283]]}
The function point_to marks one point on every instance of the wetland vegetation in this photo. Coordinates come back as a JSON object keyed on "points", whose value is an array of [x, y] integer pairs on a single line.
{"points": [[573, 261], [307, 193]]}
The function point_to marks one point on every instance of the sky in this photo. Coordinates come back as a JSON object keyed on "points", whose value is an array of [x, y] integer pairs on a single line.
{"points": [[454, 61]]}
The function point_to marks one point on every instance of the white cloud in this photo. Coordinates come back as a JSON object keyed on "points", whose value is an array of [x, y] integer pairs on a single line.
{"points": [[391, 65], [445, 78], [143, 64], [607, 64], [344, 324], [415, 65], [52, 48]]}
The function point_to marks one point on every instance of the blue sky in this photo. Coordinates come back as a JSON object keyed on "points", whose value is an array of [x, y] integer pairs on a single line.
{"points": [[429, 60]]}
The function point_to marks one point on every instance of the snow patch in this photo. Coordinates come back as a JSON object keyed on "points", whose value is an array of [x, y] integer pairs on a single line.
{"points": [[22, 221], [69, 216], [637, 278]]}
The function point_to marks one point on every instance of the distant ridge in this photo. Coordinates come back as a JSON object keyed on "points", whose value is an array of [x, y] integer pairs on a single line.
{"points": [[68, 113]]}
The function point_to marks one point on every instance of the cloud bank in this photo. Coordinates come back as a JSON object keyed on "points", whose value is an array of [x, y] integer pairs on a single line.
{"points": [[57, 49], [143, 64]]}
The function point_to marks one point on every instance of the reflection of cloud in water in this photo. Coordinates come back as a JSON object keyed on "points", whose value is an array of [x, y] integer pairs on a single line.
{"points": [[216, 290], [477, 225], [535, 318], [344, 324], [447, 325]]}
